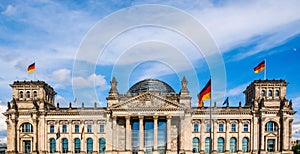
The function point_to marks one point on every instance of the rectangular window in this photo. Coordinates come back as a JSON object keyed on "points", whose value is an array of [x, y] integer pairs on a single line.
{"points": [[271, 145], [233, 127], [89, 128], [51, 128], [245, 127], [195, 127], [76, 129], [221, 127], [27, 146], [135, 136], [207, 127], [64, 128], [101, 128]]}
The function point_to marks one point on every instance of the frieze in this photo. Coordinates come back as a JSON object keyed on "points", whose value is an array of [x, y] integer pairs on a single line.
{"points": [[147, 100]]}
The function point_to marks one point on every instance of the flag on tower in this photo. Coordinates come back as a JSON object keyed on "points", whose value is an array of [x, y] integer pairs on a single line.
{"points": [[260, 67], [75, 101], [31, 68], [205, 94]]}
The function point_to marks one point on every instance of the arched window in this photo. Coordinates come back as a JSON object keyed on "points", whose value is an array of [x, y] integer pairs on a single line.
{"points": [[52, 145], [195, 127], [21, 94], [51, 128], [26, 128], [77, 145], [89, 145], [65, 145], [263, 93], [195, 145], [232, 144], [270, 93], [35, 94], [271, 126], [102, 145], [277, 93], [220, 144], [28, 94], [207, 144], [245, 144]]}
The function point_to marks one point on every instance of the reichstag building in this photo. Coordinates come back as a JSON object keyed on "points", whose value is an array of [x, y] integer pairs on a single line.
{"points": [[149, 118]]}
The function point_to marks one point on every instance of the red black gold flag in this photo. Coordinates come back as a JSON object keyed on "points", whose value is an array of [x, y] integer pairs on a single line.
{"points": [[260, 67], [31, 68], [205, 94], [82, 133]]}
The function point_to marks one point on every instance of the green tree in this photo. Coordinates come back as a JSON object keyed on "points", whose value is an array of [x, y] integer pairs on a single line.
{"points": [[296, 149]]}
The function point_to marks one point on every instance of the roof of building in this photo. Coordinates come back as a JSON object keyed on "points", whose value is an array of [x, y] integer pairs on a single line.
{"points": [[151, 85]]}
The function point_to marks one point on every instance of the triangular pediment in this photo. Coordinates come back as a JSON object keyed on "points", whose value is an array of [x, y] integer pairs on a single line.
{"points": [[148, 100], [271, 134]]}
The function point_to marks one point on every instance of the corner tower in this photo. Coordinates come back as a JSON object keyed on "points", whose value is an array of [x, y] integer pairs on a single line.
{"points": [[30, 94], [270, 91], [272, 116]]}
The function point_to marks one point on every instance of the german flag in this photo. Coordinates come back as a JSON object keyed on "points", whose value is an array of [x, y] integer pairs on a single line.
{"points": [[260, 67], [31, 68], [82, 133], [205, 94]]}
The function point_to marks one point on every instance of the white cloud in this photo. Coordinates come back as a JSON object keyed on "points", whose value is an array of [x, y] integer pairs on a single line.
{"points": [[3, 140], [61, 76], [296, 102], [10, 10], [92, 81], [2, 117], [237, 90]]}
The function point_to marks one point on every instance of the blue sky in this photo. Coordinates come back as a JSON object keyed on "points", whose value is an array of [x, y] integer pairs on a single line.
{"points": [[51, 34]]}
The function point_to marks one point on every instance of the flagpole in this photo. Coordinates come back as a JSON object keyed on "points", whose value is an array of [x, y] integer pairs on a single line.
{"points": [[265, 75], [210, 121]]}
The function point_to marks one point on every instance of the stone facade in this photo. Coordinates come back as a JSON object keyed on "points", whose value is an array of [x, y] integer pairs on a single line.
{"points": [[150, 118]]}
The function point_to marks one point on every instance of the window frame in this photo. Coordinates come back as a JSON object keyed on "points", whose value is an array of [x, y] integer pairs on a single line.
{"points": [[51, 129], [101, 128], [64, 129], [196, 128], [89, 129], [89, 144], [233, 129], [221, 129], [246, 128]]}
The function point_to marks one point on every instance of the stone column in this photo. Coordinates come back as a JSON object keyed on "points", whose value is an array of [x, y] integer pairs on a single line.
{"points": [[169, 133], [114, 134], [182, 129], [254, 142], [141, 134], [128, 134], [227, 138], [155, 120], [214, 139], [35, 139], [241, 129]]}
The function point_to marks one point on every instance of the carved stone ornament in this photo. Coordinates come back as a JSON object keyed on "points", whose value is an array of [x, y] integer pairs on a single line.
{"points": [[147, 100]]}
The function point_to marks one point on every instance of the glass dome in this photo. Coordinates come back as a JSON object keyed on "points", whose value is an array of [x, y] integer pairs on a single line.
{"points": [[151, 85]]}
